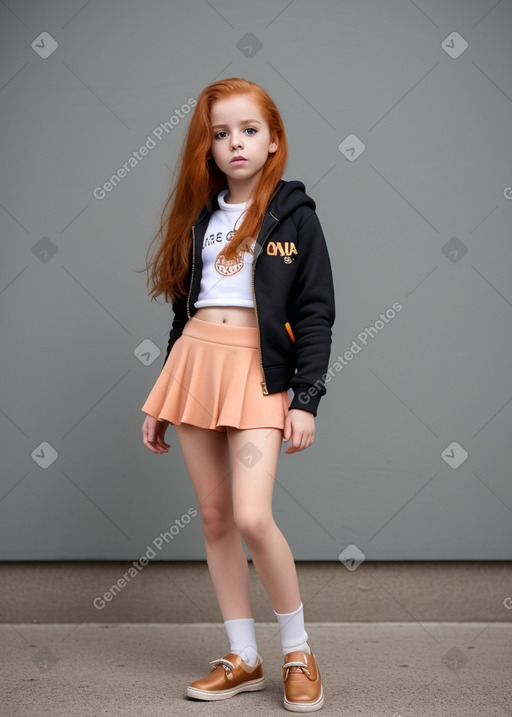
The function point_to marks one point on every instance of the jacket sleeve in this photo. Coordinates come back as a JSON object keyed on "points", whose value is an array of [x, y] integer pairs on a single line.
{"points": [[314, 313], [179, 308]]}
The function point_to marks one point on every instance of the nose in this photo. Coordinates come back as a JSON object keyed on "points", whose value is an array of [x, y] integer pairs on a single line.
{"points": [[236, 142]]}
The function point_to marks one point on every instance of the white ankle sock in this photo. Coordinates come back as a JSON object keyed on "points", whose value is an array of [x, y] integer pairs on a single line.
{"points": [[242, 639], [293, 634]]}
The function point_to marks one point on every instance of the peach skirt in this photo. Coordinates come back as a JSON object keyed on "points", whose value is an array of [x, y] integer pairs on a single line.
{"points": [[212, 379]]}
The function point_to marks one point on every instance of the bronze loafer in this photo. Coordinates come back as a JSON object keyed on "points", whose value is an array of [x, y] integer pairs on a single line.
{"points": [[303, 690], [229, 676]]}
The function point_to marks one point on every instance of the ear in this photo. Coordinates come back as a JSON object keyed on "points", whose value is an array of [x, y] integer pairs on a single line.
{"points": [[274, 145]]}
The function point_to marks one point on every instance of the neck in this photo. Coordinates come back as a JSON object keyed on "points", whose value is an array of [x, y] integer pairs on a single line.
{"points": [[242, 190], [237, 198]]}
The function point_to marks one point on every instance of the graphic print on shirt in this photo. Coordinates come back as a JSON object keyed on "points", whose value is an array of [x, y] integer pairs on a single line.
{"points": [[228, 267], [225, 282]]}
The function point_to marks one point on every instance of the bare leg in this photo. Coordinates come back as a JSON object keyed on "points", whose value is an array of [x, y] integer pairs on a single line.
{"points": [[253, 485], [206, 456]]}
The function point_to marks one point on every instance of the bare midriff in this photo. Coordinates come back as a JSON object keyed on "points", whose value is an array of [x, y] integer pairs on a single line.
{"points": [[234, 315]]}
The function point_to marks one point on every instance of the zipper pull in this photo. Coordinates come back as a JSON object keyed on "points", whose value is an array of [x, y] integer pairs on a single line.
{"points": [[264, 388]]}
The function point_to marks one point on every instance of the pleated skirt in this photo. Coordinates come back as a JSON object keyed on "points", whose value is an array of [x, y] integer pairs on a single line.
{"points": [[212, 379]]}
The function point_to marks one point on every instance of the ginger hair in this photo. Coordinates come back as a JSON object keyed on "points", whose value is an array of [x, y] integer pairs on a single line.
{"points": [[199, 180]]}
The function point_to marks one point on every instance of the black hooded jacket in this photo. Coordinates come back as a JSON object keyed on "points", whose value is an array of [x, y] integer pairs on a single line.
{"points": [[293, 295]]}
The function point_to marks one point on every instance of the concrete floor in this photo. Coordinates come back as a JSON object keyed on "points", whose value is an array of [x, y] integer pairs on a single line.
{"points": [[390, 669]]}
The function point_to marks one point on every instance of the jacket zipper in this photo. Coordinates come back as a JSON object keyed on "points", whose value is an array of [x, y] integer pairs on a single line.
{"points": [[262, 383], [192, 275]]}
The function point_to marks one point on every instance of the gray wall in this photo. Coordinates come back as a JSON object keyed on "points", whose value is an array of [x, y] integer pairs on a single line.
{"points": [[412, 454]]}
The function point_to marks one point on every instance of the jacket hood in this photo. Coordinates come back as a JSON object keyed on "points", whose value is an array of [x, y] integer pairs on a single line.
{"points": [[287, 196]]}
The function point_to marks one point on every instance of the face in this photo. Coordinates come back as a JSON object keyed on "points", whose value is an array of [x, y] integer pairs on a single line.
{"points": [[238, 129]]}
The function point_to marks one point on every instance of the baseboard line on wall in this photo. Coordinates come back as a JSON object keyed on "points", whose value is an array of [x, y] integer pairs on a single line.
{"points": [[182, 592]]}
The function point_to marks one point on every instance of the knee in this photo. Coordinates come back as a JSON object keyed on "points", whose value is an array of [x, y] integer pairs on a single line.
{"points": [[253, 525], [216, 523]]}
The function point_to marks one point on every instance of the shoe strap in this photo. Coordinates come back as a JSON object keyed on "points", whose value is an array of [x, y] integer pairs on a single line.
{"points": [[296, 664], [226, 664]]}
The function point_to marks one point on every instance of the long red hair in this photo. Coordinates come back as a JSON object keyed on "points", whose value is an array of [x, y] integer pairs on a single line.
{"points": [[199, 180]]}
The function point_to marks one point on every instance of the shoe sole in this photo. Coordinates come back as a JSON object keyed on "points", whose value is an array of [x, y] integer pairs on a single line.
{"points": [[251, 686], [305, 706]]}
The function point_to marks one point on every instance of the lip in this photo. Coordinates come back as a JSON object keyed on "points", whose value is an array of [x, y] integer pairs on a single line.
{"points": [[239, 158]]}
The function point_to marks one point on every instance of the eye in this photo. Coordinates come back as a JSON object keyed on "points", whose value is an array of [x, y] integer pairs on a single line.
{"points": [[217, 136], [252, 130]]}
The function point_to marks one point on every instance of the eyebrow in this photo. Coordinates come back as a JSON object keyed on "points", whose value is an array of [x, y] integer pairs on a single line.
{"points": [[247, 121]]}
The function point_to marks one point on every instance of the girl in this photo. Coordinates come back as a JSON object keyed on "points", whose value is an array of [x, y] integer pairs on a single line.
{"points": [[246, 267]]}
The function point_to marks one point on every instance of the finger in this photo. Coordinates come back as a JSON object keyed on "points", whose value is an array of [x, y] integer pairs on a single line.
{"points": [[152, 437], [287, 429], [291, 436], [162, 440], [146, 432], [150, 447], [148, 439], [161, 437], [292, 449], [296, 445], [162, 445], [302, 442]]}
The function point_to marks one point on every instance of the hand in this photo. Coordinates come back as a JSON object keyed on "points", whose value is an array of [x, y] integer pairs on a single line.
{"points": [[153, 434], [300, 427]]}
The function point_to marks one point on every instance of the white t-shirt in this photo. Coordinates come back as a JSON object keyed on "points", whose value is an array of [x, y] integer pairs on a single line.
{"points": [[224, 282]]}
